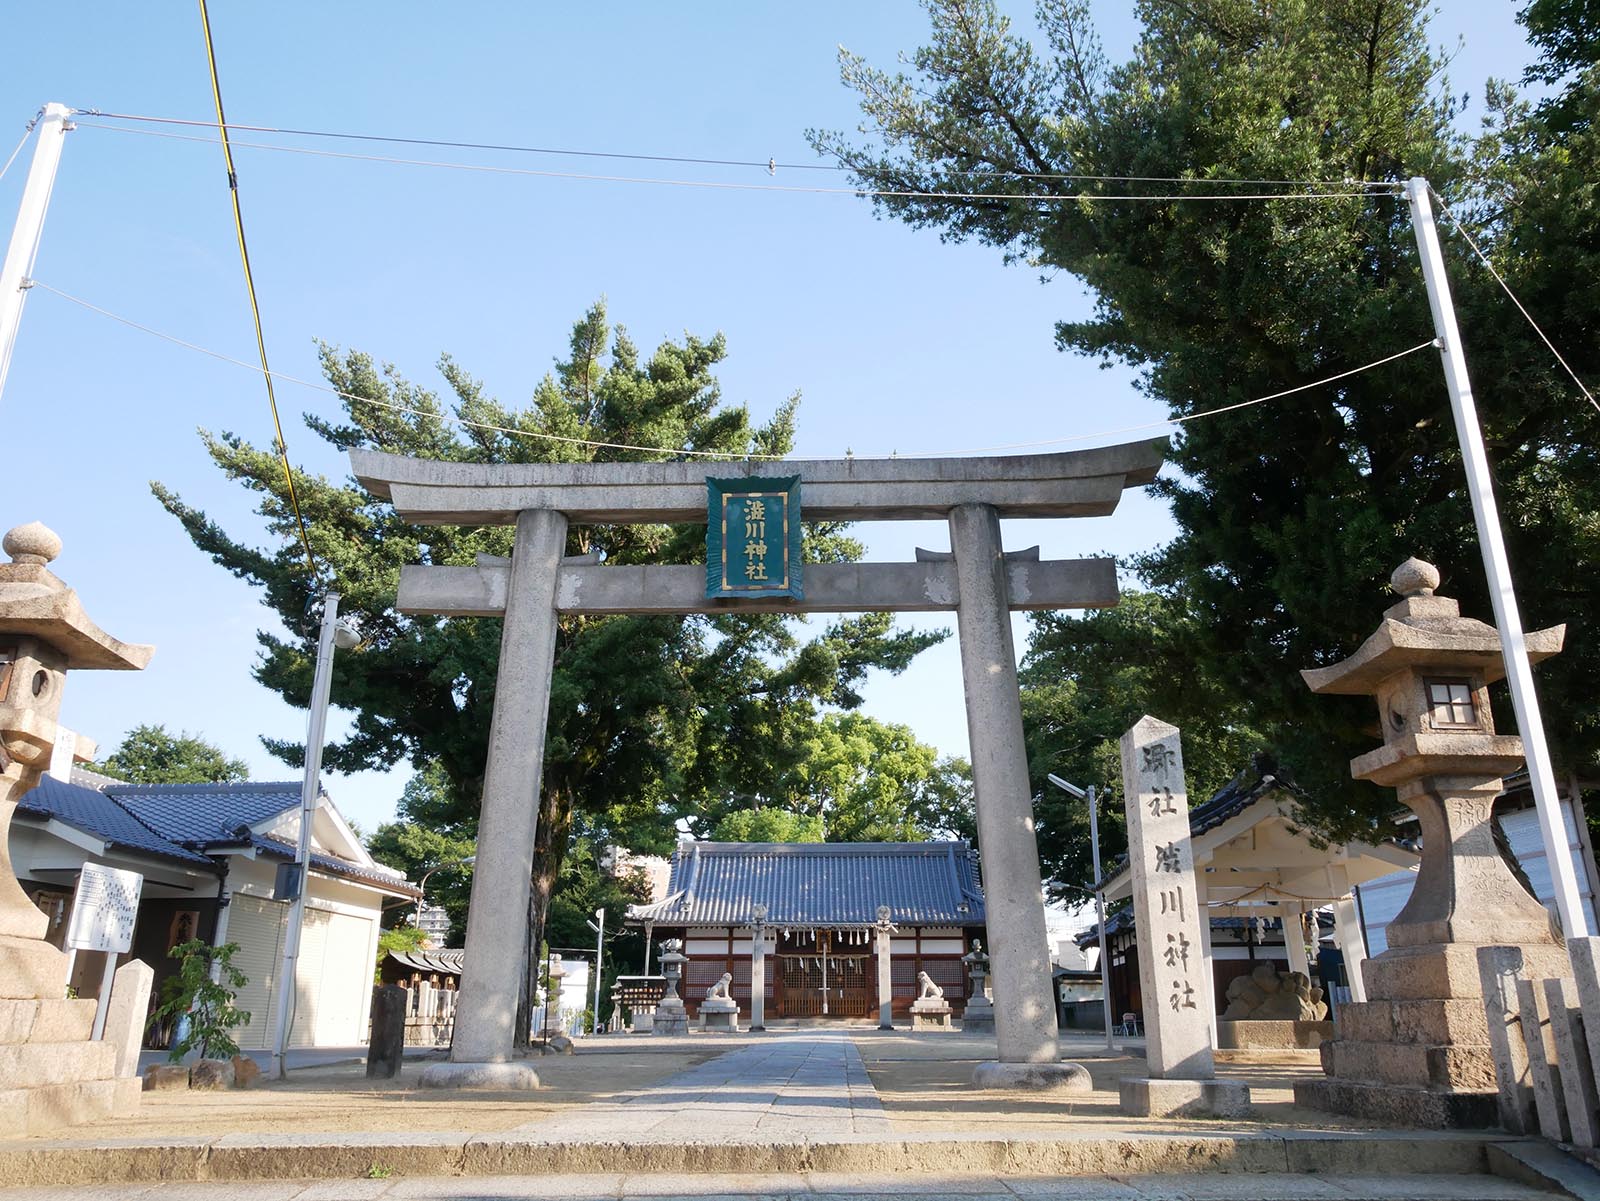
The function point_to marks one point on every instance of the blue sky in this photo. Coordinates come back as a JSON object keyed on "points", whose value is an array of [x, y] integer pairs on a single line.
{"points": [[897, 341]]}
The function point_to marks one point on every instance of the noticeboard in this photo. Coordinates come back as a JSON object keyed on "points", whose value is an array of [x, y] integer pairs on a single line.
{"points": [[105, 909], [753, 538]]}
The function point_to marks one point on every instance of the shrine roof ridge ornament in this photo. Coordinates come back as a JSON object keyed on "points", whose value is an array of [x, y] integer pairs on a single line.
{"points": [[1078, 483]]}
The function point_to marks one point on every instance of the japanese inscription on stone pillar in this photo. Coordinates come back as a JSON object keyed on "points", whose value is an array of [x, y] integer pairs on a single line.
{"points": [[1172, 978]]}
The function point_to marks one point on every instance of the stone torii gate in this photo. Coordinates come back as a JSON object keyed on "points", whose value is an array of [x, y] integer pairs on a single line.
{"points": [[976, 578]]}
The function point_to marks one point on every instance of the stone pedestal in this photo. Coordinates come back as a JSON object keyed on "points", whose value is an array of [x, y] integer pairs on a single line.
{"points": [[1272, 1036], [930, 1013], [386, 1044], [719, 1014], [979, 1014], [670, 1018]]}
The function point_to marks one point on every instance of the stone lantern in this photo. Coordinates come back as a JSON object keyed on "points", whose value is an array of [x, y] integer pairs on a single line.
{"points": [[44, 633], [1417, 1050]]}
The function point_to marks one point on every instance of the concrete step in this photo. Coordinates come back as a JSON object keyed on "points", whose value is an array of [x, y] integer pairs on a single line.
{"points": [[1306, 1156], [828, 1187]]}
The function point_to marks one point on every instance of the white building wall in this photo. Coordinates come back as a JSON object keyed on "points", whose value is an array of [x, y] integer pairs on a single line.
{"points": [[1383, 898]]}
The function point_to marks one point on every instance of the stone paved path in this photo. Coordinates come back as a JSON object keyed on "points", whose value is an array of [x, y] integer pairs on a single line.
{"points": [[786, 1087]]}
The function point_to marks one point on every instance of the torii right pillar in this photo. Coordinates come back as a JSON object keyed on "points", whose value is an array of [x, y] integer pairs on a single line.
{"points": [[1416, 1052]]}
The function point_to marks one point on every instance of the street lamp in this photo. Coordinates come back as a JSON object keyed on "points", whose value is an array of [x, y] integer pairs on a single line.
{"points": [[344, 634], [1099, 897], [422, 884]]}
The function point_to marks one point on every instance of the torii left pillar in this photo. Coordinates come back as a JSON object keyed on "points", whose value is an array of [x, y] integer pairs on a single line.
{"points": [[486, 1013]]}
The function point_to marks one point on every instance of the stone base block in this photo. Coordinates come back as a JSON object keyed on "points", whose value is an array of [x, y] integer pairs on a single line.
{"points": [[31, 970], [46, 1109], [1248, 1035], [30, 1065], [35, 1021], [931, 1021], [1399, 1105], [1449, 971], [719, 1019], [1147, 1098], [1033, 1077], [1456, 1068], [670, 1019], [978, 1015], [506, 1077], [1432, 1022]]}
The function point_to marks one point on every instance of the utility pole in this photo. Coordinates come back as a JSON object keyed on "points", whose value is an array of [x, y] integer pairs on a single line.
{"points": [[310, 789], [1480, 486], [1099, 898], [52, 129]]}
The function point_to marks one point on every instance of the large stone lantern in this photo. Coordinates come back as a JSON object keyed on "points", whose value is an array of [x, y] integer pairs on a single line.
{"points": [[44, 633], [1417, 1050]]}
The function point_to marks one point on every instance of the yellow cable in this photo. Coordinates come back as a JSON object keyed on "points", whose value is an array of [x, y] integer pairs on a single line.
{"points": [[250, 287]]}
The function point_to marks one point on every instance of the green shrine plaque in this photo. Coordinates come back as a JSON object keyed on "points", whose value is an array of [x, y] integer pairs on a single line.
{"points": [[753, 538]]}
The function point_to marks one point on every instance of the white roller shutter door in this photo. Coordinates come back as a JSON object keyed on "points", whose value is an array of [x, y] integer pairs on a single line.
{"points": [[257, 926]]}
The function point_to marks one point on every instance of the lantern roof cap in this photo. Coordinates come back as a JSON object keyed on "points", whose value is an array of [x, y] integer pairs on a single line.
{"points": [[1425, 632], [34, 603]]}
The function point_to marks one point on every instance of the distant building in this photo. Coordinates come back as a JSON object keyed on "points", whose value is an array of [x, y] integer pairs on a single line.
{"points": [[209, 855], [821, 904], [435, 923]]}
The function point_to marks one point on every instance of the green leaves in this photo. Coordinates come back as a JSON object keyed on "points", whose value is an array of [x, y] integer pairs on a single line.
{"points": [[150, 755]]}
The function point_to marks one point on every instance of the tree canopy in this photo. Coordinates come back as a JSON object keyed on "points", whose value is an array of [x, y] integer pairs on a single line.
{"points": [[148, 754], [1291, 515]]}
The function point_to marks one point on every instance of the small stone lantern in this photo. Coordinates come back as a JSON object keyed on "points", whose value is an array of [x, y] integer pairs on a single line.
{"points": [[672, 1017], [1418, 1046], [979, 1013]]}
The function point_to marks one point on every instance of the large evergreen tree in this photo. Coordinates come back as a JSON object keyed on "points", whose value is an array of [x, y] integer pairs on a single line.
{"points": [[1290, 516], [647, 715]]}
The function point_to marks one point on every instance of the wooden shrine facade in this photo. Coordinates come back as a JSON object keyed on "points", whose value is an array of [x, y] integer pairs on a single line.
{"points": [[821, 902]]}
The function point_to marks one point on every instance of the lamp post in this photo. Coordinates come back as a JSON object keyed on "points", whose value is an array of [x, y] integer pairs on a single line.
{"points": [[346, 636], [422, 884], [1099, 897]]}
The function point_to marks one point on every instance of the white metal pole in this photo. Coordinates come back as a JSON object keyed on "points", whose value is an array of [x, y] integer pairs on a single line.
{"points": [[1100, 912], [309, 789], [1480, 486], [51, 132], [599, 950]]}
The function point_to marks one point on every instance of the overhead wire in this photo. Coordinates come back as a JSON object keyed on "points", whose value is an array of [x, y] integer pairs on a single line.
{"points": [[1499, 279], [26, 133], [535, 435], [738, 186], [250, 288], [770, 164]]}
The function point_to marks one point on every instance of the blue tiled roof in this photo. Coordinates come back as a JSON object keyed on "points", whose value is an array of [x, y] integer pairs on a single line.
{"points": [[182, 821], [89, 811], [821, 884], [203, 814]]}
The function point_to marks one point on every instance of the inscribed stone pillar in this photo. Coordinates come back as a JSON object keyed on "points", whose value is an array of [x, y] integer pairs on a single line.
{"points": [[1166, 912], [1572, 1059], [386, 1044], [1584, 956], [1025, 1017], [497, 922], [1179, 1003]]}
